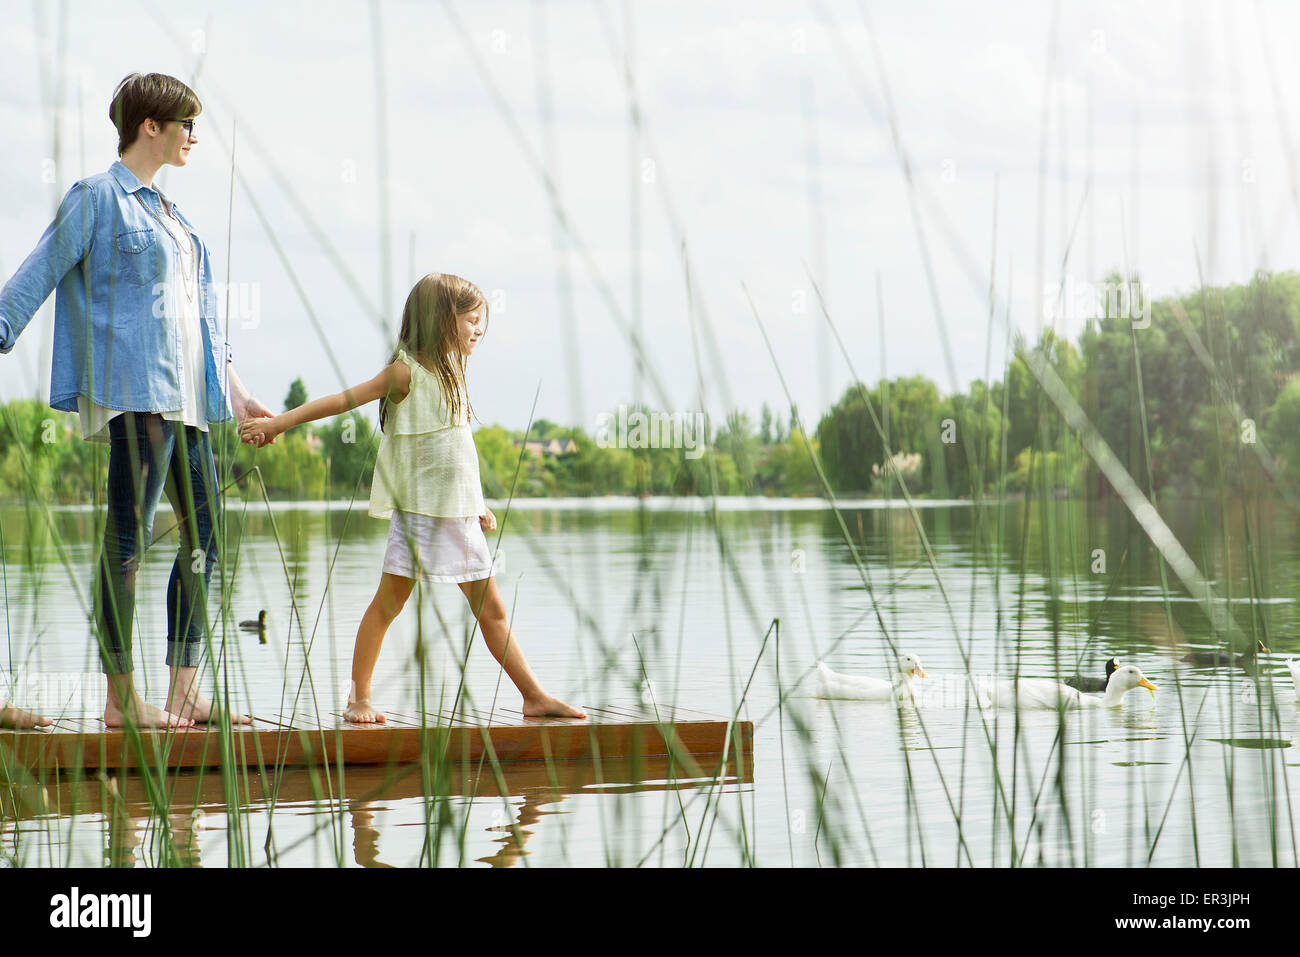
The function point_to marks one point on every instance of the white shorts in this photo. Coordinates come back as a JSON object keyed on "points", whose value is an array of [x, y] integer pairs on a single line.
{"points": [[445, 549]]}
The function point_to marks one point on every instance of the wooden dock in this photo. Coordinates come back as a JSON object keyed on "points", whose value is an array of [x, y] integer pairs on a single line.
{"points": [[694, 742]]}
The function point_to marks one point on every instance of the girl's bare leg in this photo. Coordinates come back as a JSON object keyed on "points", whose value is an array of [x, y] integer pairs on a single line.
{"points": [[387, 603], [490, 610]]}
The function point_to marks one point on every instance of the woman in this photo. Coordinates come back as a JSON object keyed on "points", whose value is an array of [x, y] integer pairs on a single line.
{"points": [[138, 354]]}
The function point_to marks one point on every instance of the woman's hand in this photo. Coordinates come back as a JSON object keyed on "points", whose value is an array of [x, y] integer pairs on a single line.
{"points": [[246, 408], [260, 431], [255, 410], [488, 521]]}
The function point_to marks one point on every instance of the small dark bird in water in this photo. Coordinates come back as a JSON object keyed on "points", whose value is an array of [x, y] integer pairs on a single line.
{"points": [[1210, 658], [1094, 684], [255, 627]]}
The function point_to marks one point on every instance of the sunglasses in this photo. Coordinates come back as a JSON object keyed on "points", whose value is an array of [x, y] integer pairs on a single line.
{"points": [[188, 124]]}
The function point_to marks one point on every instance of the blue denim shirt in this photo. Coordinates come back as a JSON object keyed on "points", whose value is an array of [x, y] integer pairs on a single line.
{"points": [[111, 261]]}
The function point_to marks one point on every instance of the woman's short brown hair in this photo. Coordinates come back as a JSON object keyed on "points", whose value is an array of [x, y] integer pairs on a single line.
{"points": [[155, 96]]}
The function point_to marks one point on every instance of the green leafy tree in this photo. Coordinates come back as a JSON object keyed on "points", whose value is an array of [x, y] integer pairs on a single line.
{"points": [[31, 435], [1282, 430], [605, 471], [851, 443], [350, 444], [765, 435], [976, 429], [785, 468], [296, 396], [737, 440], [497, 457]]}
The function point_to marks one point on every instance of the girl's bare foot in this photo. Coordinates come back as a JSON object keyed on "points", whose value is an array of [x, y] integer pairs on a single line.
{"points": [[200, 709], [545, 706], [363, 712], [142, 715], [12, 716]]}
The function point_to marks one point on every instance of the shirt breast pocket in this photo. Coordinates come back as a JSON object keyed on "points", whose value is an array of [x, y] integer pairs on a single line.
{"points": [[139, 257]]}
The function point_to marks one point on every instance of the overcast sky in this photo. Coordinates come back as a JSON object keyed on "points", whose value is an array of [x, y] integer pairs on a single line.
{"points": [[765, 145]]}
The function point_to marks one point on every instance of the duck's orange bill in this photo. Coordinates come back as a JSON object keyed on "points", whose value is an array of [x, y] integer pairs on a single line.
{"points": [[920, 673], [1148, 685]]}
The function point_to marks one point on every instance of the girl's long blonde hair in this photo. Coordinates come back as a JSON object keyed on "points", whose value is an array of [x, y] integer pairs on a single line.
{"points": [[430, 335]]}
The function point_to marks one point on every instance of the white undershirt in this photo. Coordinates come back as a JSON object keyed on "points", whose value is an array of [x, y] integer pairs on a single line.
{"points": [[95, 417]]}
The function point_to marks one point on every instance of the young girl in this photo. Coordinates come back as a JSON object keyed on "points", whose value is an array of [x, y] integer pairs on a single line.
{"points": [[426, 478]]}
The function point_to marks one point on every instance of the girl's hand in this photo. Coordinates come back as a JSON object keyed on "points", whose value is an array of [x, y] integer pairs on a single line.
{"points": [[488, 521], [247, 409], [260, 431]]}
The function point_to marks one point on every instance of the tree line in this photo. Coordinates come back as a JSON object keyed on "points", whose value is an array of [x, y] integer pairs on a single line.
{"points": [[1187, 397]]}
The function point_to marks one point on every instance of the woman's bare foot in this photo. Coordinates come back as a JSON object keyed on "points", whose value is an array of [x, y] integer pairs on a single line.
{"points": [[546, 706], [12, 716], [185, 700], [200, 709], [363, 712], [142, 715]]}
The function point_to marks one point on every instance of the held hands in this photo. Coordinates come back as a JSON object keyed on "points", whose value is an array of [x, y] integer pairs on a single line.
{"points": [[251, 412], [260, 431], [256, 410], [488, 521]]}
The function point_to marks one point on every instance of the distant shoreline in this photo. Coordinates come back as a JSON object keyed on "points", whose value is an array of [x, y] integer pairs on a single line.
{"points": [[682, 503]]}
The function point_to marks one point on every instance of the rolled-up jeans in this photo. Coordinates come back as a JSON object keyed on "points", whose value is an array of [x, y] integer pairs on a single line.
{"points": [[147, 456]]}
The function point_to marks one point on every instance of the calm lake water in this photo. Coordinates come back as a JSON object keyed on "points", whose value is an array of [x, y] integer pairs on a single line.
{"points": [[600, 589]]}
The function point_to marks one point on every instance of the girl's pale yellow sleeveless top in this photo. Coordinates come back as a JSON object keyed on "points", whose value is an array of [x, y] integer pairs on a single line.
{"points": [[426, 464]]}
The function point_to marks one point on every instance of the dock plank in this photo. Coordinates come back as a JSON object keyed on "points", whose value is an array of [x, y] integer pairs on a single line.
{"points": [[302, 740]]}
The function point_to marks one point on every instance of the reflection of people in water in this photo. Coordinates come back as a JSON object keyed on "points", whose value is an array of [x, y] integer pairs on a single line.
{"points": [[515, 835], [365, 836], [129, 820], [515, 831], [117, 807]]}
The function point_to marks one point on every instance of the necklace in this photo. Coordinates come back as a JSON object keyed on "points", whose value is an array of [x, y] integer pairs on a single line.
{"points": [[189, 275]]}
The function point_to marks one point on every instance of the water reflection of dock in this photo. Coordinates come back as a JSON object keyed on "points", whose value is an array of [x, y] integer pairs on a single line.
{"points": [[190, 790], [694, 739], [350, 798]]}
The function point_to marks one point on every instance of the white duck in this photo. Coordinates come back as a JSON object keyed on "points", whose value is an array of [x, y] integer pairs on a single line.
{"points": [[831, 684], [1294, 668], [1049, 693]]}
